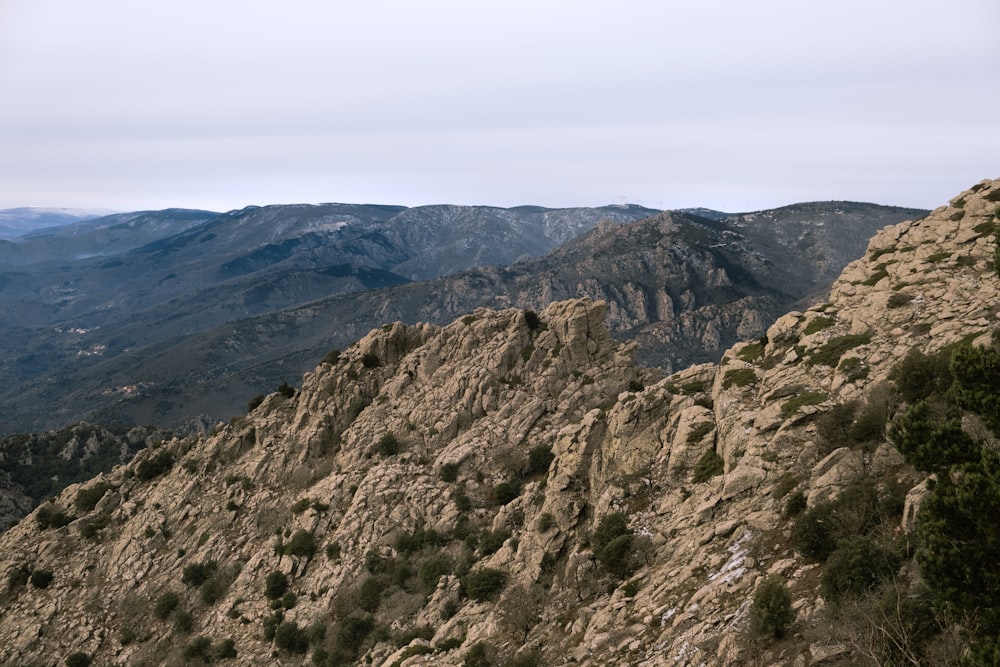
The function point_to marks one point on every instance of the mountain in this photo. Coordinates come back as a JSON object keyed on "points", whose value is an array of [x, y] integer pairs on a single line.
{"points": [[512, 488], [15, 222], [683, 286]]}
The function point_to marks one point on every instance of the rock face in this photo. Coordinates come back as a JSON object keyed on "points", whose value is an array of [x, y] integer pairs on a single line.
{"points": [[510, 482]]}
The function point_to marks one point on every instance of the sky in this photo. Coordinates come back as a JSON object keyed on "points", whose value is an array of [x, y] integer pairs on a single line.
{"points": [[727, 104]]}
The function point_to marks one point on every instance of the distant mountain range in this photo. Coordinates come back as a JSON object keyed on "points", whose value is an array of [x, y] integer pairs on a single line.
{"points": [[15, 222], [166, 317]]}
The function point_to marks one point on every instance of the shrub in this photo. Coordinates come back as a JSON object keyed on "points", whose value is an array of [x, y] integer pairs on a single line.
{"points": [[302, 543], [771, 611], [370, 594], [528, 658], [898, 300], [227, 649], [87, 498], [196, 574], [275, 584], [213, 589], [290, 637], [532, 320], [78, 659], [976, 373], [332, 357], [484, 584], [41, 578], [545, 522], [51, 515], [818, 323], [333, 551], [183, 622], [165, 605], [481, 654], [795, 504], [615, 556], [300, 506], [449, 472], [432, 569], [709, 465], [918, 376], [540, 458], [506, 491], [370, 360], [856, 566], [610, 527], [930, 443], [199, 648], [353, 631], [387, 445], [155, 465], [739, 377], [830, 352], [751, 352], [812, 533], [491, 541]]}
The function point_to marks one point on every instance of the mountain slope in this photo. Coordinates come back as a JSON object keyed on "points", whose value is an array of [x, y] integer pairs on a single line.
{"points": [[684, 287], [514, 483]]}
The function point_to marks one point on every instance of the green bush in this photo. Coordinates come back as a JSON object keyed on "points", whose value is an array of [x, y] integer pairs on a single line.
{"points": [[302, 543], [532, 319], [199, 648], [353, 631], [830, 352], [449, 472], [806, 398], [51, 515], [813, 534], [540, 458], [370, 360], [213, 589], [41, 578], [286, 390], [155, 465], [388, 445], [527, 658], [87, 498], [918, 376], [275, 584], [370, 594], [856, 566], [432, 569], [183, 622], [771, 610], [196, 574], [614, 557], [78, 659], [290, 637], [481, 654], [227, 649], [484, 583], [931, 442], [709, 465], [739, 377], [254, 403], [976, 373], [818, 323], [506, 491], [491, 541], [165, 605]]}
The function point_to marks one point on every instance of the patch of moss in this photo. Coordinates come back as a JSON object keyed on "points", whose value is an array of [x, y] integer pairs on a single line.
{"points": [[818, 324], [740, 377], [751, 352], [831, 351]]}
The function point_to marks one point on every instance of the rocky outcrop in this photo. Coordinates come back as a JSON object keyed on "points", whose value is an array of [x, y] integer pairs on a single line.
{"points": [[440, 491]]}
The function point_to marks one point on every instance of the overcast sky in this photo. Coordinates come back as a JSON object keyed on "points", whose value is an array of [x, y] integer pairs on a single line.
{"points": [[729, 104]]}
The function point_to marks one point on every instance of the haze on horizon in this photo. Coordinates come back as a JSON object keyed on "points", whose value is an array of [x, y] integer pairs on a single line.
{"points": [[724, 104]]}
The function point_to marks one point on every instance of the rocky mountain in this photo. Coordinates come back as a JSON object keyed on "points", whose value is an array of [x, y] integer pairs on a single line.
{"points": [[74, 298], [684, 287], [513, 489]]}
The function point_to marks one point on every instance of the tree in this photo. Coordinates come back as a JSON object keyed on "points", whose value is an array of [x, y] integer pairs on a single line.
{"points": [[771, 611], [977, 383], [930, 443]]}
